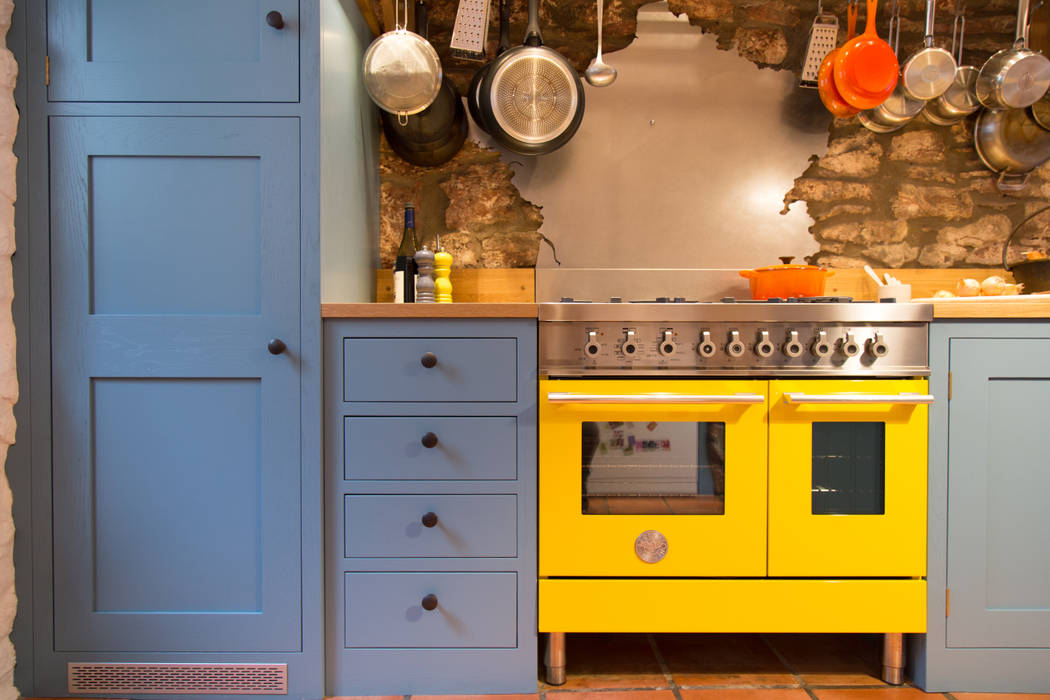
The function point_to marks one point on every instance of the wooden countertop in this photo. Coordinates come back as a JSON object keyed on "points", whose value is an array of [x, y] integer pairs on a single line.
{"points": [[454, 310], [1023, 306]]}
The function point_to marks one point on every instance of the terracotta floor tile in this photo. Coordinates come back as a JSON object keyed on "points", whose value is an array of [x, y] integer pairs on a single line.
{"points": [[611, 695], [832, 659], [364, 697], [875, 694], [722, 659], [746, 694], [594, 661], [532, 696], [1002, 696]]}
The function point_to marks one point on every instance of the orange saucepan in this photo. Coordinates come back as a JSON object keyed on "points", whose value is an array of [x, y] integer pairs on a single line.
{"points": [[786, 281], [866, 68], [829, 94]]}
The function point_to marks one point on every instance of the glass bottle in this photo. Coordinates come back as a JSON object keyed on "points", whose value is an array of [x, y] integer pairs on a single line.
{"points": [[405, 265]]}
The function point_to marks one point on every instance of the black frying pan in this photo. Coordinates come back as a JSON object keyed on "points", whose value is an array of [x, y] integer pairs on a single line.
{"points": [[475, 82], [531, 98]]}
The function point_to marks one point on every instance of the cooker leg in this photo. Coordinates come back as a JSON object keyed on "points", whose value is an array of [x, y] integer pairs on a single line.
{"points": [[893, 658], [556, 658]]}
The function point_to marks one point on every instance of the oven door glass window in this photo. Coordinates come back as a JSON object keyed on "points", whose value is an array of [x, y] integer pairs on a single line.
{"points": [[849, 468], [653, 468]]}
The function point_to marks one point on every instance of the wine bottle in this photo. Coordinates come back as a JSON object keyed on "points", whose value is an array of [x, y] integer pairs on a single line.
{"points": [[405, 265]]}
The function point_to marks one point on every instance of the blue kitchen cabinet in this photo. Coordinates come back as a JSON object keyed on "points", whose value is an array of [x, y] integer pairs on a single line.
{"points": [[430, 490], [988, 625], [173, 51]]}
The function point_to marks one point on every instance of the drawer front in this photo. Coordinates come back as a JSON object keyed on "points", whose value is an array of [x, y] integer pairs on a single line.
{"points": [[467, 526], [474, 610], [465, 369], [395, 448]]}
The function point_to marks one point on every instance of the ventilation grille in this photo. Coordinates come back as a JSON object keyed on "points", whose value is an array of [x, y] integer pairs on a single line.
{"points": [[206, 679]]}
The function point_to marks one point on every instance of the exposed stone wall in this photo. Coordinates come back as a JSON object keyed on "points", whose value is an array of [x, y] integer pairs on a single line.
{"points": [[918, 197]]}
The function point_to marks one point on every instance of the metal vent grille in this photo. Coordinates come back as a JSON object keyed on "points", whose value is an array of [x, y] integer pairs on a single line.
{"points": [[206, 679]]}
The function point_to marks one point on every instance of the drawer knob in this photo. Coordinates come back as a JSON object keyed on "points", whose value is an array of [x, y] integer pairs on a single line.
{"points": [[429, 519], [430, 601], [274, 19], [428, 360], [276, 346], [430, 440]]}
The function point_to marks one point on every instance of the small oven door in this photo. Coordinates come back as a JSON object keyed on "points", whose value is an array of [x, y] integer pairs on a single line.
{"points": [[847, 477], [652, 478]]}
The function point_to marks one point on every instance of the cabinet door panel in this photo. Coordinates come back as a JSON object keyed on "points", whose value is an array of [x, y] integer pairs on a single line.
{"points": [[172, 51], [176, 433], [998, 549]]}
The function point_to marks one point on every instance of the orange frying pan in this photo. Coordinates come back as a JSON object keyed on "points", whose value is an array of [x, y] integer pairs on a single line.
{"points": [[866, 69], [829, 94]]}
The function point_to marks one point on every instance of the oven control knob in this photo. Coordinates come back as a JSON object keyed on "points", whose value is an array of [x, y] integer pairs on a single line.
{"points": [[877, 346], [667, 345], [593, 347], [764, 347], [793, 348], [850, 346], [706, 347], [735, 347], [821, 345], [629, 347]]}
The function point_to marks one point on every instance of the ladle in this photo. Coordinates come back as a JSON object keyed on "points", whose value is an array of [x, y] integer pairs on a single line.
{"points": [[599, 73]]}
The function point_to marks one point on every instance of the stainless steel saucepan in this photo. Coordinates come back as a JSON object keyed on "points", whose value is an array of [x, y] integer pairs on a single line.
{"points": [[899, 108], [1011, 143], [1016, 77], [931, 69], [960, 99]]}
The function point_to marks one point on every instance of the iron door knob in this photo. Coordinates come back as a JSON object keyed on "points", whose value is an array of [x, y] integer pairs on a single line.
{"points": [[276, 346], [429, 519], [430, 440], [274, 19], [429, 602], [428, 360]]}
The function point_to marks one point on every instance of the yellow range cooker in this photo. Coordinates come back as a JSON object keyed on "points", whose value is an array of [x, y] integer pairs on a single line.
{"points": [[733, 467]]}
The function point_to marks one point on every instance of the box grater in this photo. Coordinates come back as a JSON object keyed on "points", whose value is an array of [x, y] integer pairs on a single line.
{"points": [[823, 37], [470, 30]]}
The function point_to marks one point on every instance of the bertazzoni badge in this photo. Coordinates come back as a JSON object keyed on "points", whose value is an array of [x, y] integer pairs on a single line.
{"points": [[650, 546]]}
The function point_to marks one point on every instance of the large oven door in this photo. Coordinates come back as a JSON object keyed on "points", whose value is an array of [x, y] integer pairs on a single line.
{"points": [[847, 477], [652, 478]]}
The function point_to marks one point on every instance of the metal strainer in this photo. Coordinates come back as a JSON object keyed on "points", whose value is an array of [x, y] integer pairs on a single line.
{"points": [[402, 71], [535, 97]]}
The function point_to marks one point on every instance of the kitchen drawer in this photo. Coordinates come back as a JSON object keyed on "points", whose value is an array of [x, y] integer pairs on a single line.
{"points": [[467, 526], [393, 448], [474, 610], [466, 369]]}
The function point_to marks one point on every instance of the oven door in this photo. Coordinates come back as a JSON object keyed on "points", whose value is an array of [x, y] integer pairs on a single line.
{"points": [[847, 477], [652, 478]]}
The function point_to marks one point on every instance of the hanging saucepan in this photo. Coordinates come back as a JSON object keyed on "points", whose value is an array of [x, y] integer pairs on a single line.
{"points": [[829, 95], [1011, 143], [401, 70], [473, 99], [866, 68], [1016, 77], [898, 109], [960, 99], [931, 69], [1040, 111], [531, 99], [1033, 274], [436, 134]]}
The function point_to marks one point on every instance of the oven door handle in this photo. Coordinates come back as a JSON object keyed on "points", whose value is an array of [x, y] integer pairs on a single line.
{"points": [[654, 398], [799, 398]]}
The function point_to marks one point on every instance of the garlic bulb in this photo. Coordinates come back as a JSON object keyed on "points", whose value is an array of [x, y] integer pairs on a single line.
{"points": [[943, 294], [968, 288], [993, 286]]}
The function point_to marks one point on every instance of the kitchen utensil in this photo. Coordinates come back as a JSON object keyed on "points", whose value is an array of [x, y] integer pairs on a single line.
{"points": [[1033, 274], [473, 103], [898, 108], [930, 70], [787, 280], [1016, 77], [829, 94], [401, 70], [871, 274], [532, 98], [866, 68], [823, 38], [599, 73], [436, 134], [470, 30], [1011, 143], [960, 99]]}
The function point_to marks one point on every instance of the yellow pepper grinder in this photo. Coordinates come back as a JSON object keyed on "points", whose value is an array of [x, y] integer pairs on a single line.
{"points": [[442, 269]]}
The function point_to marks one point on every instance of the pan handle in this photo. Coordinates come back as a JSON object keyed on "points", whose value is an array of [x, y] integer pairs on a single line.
{"points": [[1011, 182], [504, 27], [532, 32]]}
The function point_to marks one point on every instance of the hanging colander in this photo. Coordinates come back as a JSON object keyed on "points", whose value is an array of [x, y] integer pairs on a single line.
{"points": [[402, 71]]}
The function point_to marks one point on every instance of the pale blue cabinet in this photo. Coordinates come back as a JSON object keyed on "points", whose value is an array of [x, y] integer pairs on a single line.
{"points": [[989, 541], [430, 491]]}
